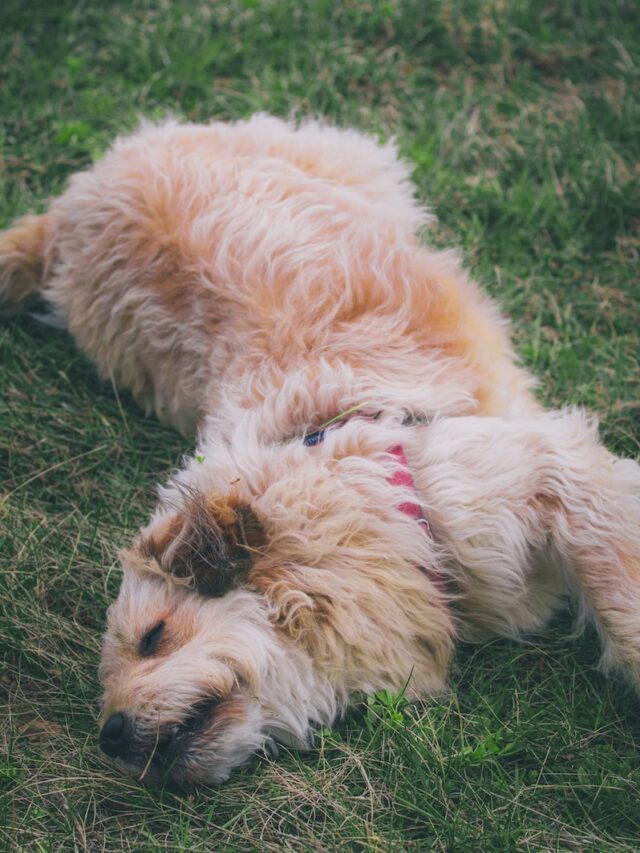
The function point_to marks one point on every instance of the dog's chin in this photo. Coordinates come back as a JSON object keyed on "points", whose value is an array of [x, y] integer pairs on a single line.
{"points": [[187, 771], [203, 750]]}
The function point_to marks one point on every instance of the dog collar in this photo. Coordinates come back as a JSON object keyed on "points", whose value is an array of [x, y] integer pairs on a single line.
{"points": [[401, 477]]}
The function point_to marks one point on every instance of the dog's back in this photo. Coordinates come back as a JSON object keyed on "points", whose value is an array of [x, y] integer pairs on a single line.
{"points": [[193, 256]]}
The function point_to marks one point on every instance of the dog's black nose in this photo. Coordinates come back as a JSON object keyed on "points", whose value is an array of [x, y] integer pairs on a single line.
{"points": [[113, 737]]}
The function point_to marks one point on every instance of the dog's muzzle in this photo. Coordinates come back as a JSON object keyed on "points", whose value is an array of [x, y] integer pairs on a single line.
{"points": [[121, 738]]}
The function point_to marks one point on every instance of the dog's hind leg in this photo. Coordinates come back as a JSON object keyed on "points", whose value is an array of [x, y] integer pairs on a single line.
{"points": [[22, 251], [529, 507]]}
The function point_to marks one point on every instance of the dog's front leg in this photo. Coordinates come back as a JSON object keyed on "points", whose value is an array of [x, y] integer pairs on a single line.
{"points": [[525, 508]]}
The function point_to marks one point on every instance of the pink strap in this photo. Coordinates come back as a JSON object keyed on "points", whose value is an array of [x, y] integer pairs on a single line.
{"points": [[403, 477]]}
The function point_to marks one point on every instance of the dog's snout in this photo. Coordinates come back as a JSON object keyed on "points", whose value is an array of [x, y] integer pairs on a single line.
{"points": [[114, 740]]}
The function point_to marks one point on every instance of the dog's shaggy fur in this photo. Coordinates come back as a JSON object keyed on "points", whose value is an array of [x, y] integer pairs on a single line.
{"points": [[253, 281]]}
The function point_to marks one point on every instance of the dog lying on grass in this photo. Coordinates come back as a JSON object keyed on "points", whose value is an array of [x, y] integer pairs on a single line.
{"points": [[373, 478]]}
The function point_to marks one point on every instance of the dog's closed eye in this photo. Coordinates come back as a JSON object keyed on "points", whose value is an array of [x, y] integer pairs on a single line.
{"points": [[149, 642]]}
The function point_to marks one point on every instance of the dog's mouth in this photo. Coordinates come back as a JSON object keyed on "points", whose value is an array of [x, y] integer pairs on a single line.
{"points": [[163, 761]]}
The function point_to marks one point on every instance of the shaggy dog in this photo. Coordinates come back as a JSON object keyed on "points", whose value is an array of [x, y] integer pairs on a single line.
{"points": [[253, 282]]}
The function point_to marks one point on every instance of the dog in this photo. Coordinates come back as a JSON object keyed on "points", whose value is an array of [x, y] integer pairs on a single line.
{"points": [[373, 477]]}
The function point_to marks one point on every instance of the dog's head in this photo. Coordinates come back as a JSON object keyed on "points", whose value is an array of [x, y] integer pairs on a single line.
{"points": [[267, 589], [180, 674]]}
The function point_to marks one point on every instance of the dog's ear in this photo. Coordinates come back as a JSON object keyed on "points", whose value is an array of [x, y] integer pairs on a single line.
{"points": [[211, 542]]}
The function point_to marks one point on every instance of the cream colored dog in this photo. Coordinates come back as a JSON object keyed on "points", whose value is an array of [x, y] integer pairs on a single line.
{"points": [[254, 281]]}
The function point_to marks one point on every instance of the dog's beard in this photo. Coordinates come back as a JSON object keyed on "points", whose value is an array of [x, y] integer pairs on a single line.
{"points": [[211, 740]]}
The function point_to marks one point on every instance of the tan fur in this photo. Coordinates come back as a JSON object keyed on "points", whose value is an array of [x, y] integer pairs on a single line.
{"points": [[250, 282], [22, 251]]}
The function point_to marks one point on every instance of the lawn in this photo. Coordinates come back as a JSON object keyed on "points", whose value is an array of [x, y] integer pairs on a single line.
{"points": [[523, 121]]}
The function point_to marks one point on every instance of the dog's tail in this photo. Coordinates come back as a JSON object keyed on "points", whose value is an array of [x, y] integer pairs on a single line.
{"points": [[22, 263]]}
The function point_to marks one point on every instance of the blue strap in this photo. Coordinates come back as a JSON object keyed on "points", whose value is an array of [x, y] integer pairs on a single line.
{"points": [[314, 438]]}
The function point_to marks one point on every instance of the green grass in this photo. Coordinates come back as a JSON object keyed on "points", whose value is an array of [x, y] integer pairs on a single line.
{"points": [[522, 118]]}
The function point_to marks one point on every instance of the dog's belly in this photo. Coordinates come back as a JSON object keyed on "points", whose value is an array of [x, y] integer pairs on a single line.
{"points": [[192, 260]]}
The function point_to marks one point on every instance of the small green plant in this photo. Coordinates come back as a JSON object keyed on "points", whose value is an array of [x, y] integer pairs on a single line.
{"points": [[386, 709], [491, 745]]}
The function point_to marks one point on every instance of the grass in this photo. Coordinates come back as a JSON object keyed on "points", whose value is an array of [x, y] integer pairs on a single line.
{"points": [[522, 119]]}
